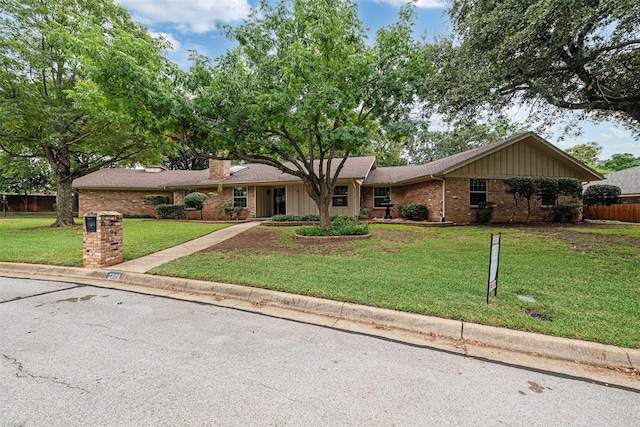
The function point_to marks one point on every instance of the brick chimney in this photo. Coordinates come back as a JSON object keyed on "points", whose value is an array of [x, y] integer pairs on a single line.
{"points": [[219, 169]]}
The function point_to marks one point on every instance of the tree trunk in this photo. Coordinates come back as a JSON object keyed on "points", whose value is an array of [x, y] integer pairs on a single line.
{"points": [[64, 202], [323, 207]]}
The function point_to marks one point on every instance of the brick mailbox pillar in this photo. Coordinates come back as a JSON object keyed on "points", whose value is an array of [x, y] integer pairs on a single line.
{"points": [[102, 241]]}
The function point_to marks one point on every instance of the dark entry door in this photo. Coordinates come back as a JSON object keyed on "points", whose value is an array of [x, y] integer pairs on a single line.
{"points": [[279, 201]]}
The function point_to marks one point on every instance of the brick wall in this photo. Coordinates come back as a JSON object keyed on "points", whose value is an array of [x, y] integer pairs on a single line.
{"points": [[459, 210], [428, 193], [124, 201]]}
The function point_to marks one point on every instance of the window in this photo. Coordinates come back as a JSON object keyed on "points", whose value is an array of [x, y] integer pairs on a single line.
{"points": [[548, 199], [340, 195], [380, 195], [477, 191], [240, 197]]}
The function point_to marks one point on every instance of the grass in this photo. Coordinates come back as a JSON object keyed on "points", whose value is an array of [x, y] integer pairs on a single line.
{"points": [[585, 278], [32, 240]]}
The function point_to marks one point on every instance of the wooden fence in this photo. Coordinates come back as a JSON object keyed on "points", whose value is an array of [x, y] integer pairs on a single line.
{"points": [[623, 212]]}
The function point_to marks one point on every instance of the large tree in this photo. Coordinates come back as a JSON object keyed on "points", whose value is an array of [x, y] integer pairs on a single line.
{"points": [[575, 55], [79, 87], [304, 90], [429, 145]]}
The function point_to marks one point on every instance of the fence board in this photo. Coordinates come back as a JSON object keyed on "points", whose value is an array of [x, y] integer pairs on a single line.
{"points": [[623, 212]]}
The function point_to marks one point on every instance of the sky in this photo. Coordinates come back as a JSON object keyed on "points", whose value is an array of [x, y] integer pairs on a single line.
{"points": [[191, 25]]}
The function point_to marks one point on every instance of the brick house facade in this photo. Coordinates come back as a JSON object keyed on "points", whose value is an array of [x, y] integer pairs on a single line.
{"points": [[449, 187]]}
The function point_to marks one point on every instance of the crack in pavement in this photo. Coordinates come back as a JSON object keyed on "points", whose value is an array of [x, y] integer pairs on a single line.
{"points": [[22, 373]]}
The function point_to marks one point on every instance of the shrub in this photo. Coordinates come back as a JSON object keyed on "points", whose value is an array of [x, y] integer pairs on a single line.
{"points": [[601, 194], [485, 213], [339, 228], [566, 212], [195, 200], [170, 211], [233, 212], [287, 218], [365, 213], [156, 199], [342, 218], [413, 211], [310, 217]]}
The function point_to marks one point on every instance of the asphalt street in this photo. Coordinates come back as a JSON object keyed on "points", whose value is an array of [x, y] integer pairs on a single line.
{"points": [[82, 355]]}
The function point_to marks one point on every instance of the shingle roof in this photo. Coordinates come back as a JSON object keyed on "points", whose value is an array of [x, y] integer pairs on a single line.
{"points": [[627, 179], [406, 174], [134, 179]]}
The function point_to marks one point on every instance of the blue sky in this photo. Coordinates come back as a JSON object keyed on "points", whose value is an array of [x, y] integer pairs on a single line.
{"points": [[191, 25]]}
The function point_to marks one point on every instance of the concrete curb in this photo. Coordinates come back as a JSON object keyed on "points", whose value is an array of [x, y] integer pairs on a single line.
{"points": [[526, 342]]}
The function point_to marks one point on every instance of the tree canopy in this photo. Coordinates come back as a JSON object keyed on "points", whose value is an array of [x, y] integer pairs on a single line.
{"points": [[575, 55], [304, 90], [79, 87], [426, 145]]}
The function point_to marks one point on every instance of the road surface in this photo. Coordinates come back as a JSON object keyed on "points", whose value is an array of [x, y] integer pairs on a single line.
{"points": [[81, 355]]}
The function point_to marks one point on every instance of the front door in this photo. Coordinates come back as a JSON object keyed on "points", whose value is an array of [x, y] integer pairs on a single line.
{"points": [[279, 201]]}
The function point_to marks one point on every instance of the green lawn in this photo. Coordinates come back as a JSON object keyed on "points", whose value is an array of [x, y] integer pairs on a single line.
{"points": [[32, 240], [586, 277]]}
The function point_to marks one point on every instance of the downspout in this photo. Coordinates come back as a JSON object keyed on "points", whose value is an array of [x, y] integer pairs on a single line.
{"points": [[442, 203]]}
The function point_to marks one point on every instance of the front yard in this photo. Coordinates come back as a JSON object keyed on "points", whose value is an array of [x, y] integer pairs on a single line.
{"points": [[584, 278], [31, 240]]}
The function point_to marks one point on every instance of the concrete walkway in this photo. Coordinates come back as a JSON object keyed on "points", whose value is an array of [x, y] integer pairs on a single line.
{"points": [[146, 263]]}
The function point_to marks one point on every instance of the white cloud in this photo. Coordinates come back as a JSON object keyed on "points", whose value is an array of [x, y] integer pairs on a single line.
{"points": [[422, 4], [615, 133], [175, 44], [187, 16]]}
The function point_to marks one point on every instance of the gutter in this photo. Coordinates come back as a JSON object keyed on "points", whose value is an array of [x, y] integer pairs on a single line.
{"points": [[442, 203]]}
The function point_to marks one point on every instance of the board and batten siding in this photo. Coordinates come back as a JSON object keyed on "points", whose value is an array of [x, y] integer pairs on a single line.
{"points": [[520, 159], [299, 202]]}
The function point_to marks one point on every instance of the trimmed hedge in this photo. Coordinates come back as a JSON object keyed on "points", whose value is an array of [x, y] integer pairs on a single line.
{"points": [[601, 194], [195, 200], [156, 199], [171, 211], [414, 211]]}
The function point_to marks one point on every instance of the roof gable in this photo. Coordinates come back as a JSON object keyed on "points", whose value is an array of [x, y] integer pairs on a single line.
{"points": [[520, 155]]}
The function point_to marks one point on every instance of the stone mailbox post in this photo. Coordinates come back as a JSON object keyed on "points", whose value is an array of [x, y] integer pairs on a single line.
{"points": [[102, 241]]}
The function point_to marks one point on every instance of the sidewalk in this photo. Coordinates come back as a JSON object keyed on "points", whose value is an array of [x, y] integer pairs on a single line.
{"points": [[146, 263]]}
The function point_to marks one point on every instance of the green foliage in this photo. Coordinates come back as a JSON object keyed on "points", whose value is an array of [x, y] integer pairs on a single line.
{"points": [[80, 86], [601, 194], [195, 200], [571, 54], [619, 162], [523, 187], [588, 153], [156, 199], [413, 211], [365, 213], [233, 212], [342, 218], [310, 217], [343, 225], [300, 66], [569, 187], [485, 212], [427, 146], [285, 218], [170, 211], [566, 212]]}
